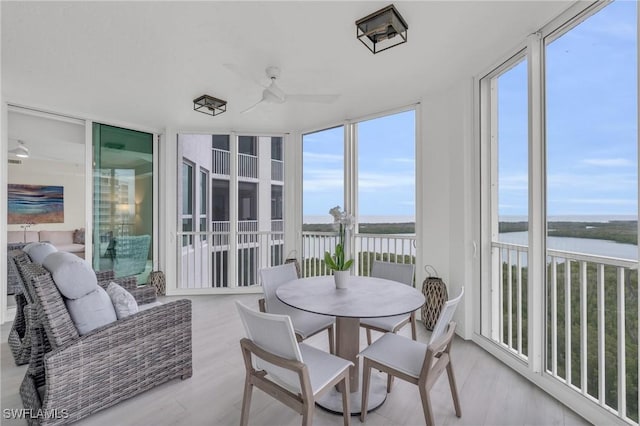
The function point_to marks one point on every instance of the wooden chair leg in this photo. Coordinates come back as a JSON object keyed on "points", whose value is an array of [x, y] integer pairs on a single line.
{"points": [[307, 414], [366, 376], [426, 406], [414, 334], [346, 408], [246, 401], [389, 382], [368, 336], [454, 389], [332, 348]]}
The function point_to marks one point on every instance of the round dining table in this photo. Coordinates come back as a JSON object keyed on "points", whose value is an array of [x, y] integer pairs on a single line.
{"points": [[364, 297]]}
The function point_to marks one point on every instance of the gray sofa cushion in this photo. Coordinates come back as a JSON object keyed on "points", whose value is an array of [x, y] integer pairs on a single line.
{"points": [[91, 311], [73, 275], [39, 251], [123, 301], [27, 246]]}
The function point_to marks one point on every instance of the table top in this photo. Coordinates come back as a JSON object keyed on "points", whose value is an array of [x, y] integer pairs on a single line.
{"points": [[364, 297]]}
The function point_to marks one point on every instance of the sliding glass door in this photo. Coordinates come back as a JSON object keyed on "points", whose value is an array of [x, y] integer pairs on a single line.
{"points": [[123, 201]]}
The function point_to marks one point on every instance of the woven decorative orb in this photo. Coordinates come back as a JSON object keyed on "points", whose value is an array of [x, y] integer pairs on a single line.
{"points": [[435, 295], [157, 280]]}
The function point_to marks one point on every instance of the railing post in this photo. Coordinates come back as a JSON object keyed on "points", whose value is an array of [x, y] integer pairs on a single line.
{"points": [[583, 327], [553, 278], [622, 345], [567, 319]]}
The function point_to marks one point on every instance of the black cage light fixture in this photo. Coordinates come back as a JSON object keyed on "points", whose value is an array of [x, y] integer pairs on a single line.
{"points": [[382, 29], [209, 105]]}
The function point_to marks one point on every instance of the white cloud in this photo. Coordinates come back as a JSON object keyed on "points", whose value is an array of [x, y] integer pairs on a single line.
{"points": [[592, 182], [404, 160], [608, 162], [374, 181], [323, 180], [514, 182], [604, 201], [326, 179], [318, 157]]}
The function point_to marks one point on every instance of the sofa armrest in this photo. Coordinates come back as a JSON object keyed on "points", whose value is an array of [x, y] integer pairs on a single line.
{"points": [[128, 283], [105, 275], [131, 355], [142, 294]]}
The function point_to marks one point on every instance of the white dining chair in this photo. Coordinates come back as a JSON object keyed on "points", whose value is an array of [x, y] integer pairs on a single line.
{"points": [[415, 362], [305, 324], [399, 272], [294, 373]]}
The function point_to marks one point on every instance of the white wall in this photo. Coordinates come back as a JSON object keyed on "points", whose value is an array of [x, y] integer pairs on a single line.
{"points": [[70, 176], [446, 194]]}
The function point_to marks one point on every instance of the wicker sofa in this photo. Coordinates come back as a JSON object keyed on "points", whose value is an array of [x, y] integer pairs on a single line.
{"points": [[19, 336], [71, 241], [74, 376]]}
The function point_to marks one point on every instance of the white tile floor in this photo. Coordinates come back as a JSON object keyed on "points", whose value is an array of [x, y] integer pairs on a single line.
{"points": [[491, 393]]}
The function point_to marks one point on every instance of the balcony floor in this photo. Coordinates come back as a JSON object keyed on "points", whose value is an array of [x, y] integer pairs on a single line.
{"points": [[491, 393]]}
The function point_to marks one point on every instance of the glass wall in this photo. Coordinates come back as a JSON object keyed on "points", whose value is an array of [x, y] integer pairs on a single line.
{"points": [[232, 193], [123, 201], [507, 122], [386, 189], [592, 205], [575, 170], [322, 189], [368, 170]]}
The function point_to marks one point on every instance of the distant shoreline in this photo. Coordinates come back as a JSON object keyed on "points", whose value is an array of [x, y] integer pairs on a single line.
{"points": [[621, 231]]}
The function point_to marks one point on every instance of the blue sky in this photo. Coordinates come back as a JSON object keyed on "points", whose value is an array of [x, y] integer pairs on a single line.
{"points": [[386, 167], [591, 106], [591, 118]]}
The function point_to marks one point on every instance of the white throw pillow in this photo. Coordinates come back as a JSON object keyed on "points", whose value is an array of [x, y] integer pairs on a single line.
{"points": [[91, 311], [123, 302]]}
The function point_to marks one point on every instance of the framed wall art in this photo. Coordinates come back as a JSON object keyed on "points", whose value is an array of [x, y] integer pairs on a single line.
{"points": [[31, 204]]}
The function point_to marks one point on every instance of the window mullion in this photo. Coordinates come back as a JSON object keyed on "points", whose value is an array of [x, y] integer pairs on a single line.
{"points": [[537, 209]]}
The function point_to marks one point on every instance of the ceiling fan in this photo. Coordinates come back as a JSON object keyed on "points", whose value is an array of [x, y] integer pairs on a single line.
{"points": [[21, 150], [272, 93]]}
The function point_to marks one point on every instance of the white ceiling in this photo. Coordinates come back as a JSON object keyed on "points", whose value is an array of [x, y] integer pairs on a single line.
{"points": [[144, 62]]}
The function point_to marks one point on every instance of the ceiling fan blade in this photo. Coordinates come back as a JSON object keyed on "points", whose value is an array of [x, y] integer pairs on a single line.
{"points": [[322, 99], [252, 106], [240, 73]]}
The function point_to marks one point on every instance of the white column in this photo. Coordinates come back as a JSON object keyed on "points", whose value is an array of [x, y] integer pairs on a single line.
{"points": [[264, 199], [232, 272], [292, 146], [264, 184], [350, 185], [4, 148], [167, 218]]}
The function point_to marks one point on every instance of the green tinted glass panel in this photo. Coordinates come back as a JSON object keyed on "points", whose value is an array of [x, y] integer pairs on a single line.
{"points": [[123, 201]]}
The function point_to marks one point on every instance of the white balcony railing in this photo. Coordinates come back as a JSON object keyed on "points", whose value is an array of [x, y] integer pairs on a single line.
{"points": [[277, 225], [248, 226], [248, 166], [591, 327], [277, 170], [206, 263], [398, 248], [221, 162]]}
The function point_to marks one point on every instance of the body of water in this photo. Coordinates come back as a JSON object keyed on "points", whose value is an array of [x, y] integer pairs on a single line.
{"points": [[574, 245], [327, 218], [578, 245], [574, 218]]}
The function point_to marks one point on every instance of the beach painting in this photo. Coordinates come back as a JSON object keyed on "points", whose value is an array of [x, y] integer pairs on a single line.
{"points": [[35, 204]]}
